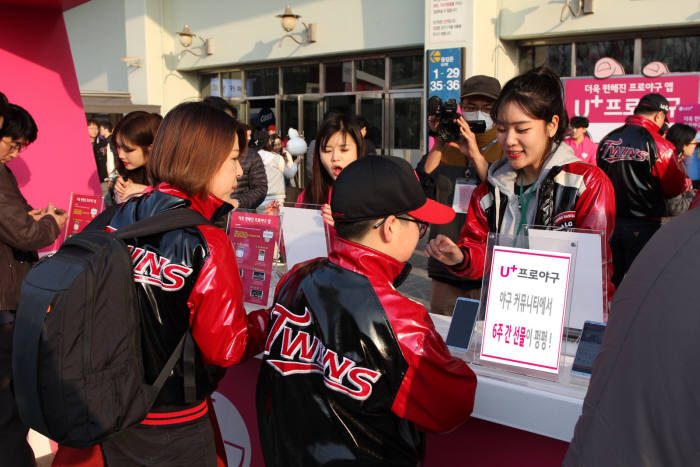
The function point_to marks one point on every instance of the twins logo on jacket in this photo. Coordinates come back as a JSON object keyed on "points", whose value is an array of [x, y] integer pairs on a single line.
{"points": [[302, 353], [152, 269]]}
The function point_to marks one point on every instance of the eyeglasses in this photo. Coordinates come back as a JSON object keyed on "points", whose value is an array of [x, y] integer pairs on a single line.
{"points": [[422, 226], [486, 108], [16, 147]]}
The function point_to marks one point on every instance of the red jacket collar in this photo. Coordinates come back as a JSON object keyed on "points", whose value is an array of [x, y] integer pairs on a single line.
{"points": [[205, 206], [642, 121], [361, 259]]}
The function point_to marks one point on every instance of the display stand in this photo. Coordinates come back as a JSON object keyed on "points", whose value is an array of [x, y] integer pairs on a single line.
{"points": [[525, 304]]}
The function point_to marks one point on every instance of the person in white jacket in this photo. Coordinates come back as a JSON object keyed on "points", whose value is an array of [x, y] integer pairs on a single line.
{"points": [[278, 167]]}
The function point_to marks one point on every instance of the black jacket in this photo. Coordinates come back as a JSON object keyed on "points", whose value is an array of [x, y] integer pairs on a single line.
{"points": [[252, 185], [643, 168], [186, 277], [353, 371]]}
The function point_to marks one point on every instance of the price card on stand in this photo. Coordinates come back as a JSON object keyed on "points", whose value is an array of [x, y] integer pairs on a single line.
{"points": [[525, 308], [254, 237]]}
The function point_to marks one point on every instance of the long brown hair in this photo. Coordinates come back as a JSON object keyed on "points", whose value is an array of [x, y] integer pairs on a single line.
{"points": [[321, 181], [138, 128], [190, 146]]}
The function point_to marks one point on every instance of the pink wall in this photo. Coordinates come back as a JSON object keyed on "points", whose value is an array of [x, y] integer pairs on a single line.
{"points": [[37, 73]]}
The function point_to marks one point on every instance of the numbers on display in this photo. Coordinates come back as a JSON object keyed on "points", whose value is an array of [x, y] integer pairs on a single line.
{"points": [[453, 85], [451, 73], [436, 86]]}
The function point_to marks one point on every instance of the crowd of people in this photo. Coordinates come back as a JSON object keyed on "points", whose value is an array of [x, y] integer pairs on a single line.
{"points": [[368, 361]]}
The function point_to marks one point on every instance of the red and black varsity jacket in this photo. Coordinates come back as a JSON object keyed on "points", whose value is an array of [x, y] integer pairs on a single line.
{"points": [[353, 371], [643, 168], [575, 194], [188, 277]]}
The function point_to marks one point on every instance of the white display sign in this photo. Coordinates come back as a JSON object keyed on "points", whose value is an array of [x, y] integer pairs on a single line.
{"points": [[304, 235], [447, 20], [587, 290], [525, 308]]}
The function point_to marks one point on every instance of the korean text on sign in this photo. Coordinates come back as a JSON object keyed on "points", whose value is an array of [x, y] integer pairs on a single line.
{"points": [[525, 308]]}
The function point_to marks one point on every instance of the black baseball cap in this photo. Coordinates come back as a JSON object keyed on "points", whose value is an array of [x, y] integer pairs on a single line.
{"points": [[374, 187], [653, 102], [480, 85]]}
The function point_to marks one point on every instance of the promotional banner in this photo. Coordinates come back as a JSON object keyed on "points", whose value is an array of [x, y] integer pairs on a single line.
{"points": [[688, 114], [525, 308], [611, 100], [254, 237]]}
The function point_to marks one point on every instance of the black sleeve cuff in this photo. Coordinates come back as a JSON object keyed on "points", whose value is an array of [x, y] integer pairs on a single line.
{"points": [[464, 264]]}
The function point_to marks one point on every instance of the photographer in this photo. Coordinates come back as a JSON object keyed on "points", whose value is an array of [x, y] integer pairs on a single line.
{"points": [[463, 154]]}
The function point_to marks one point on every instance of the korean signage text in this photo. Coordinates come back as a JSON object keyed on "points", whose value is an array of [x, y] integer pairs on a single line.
{"points": [[612, 99], [525, 308], [447, 20]]}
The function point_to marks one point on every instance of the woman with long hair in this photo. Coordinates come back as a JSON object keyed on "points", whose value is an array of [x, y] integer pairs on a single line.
{"points": [[338, 143], [540, 182], [133, 137]]}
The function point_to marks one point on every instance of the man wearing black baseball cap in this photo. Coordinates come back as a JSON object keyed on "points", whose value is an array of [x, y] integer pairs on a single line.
{"points": [[446, 167], [354, 372], [645, 172]]}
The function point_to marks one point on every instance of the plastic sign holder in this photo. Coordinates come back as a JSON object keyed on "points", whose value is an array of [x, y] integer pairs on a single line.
{"points": [[304, 233], [589, 298], [525, 304]]}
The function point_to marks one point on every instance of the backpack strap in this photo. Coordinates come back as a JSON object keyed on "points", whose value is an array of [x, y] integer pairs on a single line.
{"points": [[165, 221], [162, 222]]}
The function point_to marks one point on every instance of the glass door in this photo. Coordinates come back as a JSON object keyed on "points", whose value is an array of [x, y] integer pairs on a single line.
{"points": [[405, 126], [311, 116], [289, 115], [372, 109]]}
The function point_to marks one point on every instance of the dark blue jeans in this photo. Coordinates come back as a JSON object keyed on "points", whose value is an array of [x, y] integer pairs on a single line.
{"points": [[627, 241]]}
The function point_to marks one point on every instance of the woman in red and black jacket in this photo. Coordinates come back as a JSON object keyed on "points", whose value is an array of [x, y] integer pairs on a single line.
{"points": [[541, 182], [187, 278]]}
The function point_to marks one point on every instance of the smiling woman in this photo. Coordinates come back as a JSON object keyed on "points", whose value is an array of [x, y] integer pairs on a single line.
{"points": [[540, 182]]}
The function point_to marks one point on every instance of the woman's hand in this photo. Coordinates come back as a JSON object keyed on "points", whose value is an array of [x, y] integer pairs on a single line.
{"points": [[273, 208], [120, 186], [444, 250], [127, 189], [327, 216]]}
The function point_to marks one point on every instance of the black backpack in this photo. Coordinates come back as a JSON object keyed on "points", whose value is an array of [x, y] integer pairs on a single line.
{"points": [[77, 360]]}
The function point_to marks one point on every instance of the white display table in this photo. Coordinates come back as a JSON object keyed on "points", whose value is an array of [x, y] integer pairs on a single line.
{"points": [[531, 404]]}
